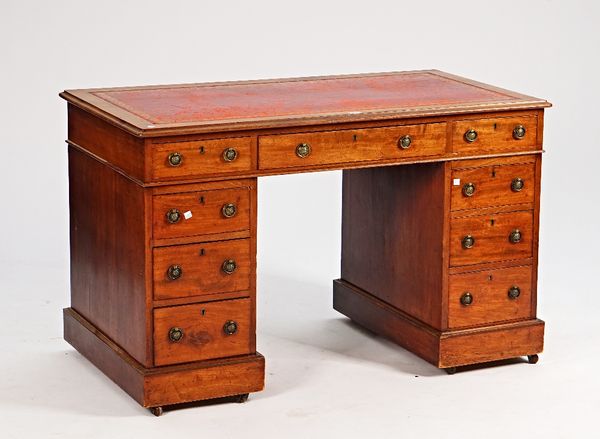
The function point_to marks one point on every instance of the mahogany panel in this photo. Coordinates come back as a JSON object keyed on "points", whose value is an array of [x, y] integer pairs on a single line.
{"points": [[204, 336], [201, 269], [491, 233], [495, 134], [491, 302], [393, 236], [206, 210], [343, 146], [107, 142], [493, 186], [201, 158], [108, 283]]}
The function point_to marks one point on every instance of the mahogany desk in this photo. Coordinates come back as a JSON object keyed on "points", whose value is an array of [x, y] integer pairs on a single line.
{"points": [[441, 189]]}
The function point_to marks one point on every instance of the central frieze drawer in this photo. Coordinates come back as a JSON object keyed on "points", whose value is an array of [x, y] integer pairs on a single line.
{"points": [[202, 331], [201, 213], [491, 238], [345, 146], [199, 269]]}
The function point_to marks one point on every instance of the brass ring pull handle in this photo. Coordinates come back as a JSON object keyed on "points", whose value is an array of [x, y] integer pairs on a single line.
{"points": [[229, 266], [517, 184], [229, 210], [174, 272], [303, 150], [466, 299], [468, 189], [230, 154], [230, 327], [173, 216], [468, 241], [175, 159], [515, 236], [471, 135], [175, 334], [519, 132], [404, 142], [514, 292]]}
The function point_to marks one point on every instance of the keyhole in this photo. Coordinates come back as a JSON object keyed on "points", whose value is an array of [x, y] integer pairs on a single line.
{"points": [[354, 138], [201, 200], [201, 252], [201, 150], [494, 172], [492, 221], [490, 277], [203, 312], [495, 127]]}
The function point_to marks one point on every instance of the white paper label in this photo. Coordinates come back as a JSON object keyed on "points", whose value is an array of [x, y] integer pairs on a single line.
{"points": [[456, 182], [187, 215]]}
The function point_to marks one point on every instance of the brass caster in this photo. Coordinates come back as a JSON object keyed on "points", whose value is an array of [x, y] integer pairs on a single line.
{"points": [[242, 398], [156, 411], [532, 359], [450, 370]]}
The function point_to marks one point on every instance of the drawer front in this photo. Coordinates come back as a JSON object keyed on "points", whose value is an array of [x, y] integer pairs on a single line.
{"points": [[489, 296], [491, 235], [199, 269], [180, 160], [494, 135], [344, 146], [493, 186], [201, 331], [214, 211]]}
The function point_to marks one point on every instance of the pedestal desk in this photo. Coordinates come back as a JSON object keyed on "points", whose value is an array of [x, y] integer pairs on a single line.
{"points": [[441, 195]]}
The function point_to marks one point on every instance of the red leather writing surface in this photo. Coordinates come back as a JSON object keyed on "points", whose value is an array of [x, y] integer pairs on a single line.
{"points": [[184, 104]]}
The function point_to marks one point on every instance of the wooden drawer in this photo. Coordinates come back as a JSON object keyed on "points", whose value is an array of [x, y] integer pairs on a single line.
{"points": [[205, 212], [179, 160], [493, 186], [494, 135], [198, 269], [491, 234], [343, 146], [493, 296], [203, 331]]}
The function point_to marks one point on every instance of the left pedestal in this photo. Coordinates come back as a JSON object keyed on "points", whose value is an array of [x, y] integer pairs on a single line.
{"points": [[163, 283]]}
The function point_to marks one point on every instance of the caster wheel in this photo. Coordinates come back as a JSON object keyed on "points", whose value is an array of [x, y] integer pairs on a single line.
{"points": [[242, 398], [156, 411], [450, 370], [532, 359]]}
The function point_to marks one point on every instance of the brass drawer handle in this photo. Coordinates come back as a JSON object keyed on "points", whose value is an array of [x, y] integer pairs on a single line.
{"points": [[468, 189], [229, 266], [175, 334], [517, 184], [175, 159], [173, 216], [515, 236], [514, 292], [229, 210], [303, 150], [230, 154], [174, 272], [404, 142], [519, 132], [466, 299], [471, 135], [468, 241], [230, 327]]}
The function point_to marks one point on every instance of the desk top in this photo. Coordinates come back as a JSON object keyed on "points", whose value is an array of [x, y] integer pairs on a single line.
{"points": [[195, 108]]}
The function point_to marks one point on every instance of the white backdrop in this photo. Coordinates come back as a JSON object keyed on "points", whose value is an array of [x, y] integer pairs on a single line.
{"points": [[325, 376]]}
